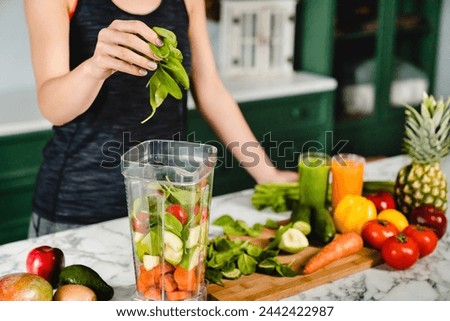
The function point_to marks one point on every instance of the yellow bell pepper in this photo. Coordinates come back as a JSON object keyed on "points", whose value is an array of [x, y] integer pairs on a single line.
{"points": [[395, 217], [352, 212]]}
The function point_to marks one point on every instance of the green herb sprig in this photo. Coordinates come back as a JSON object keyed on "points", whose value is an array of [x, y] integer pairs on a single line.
{"points": [[170, 74]]}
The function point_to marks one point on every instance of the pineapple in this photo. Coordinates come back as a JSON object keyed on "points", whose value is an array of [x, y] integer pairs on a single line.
{"points": [[426, 142]]}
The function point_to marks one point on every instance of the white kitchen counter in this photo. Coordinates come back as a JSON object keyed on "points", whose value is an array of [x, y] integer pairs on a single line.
{"points": [[106, 247], [254, 87], [20, 114]]}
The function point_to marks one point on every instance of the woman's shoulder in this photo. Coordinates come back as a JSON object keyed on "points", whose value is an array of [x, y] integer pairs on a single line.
{"points": [[194, 5]]}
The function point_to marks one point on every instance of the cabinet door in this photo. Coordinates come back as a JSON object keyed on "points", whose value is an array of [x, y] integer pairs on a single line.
{"points": [[21, 157]]}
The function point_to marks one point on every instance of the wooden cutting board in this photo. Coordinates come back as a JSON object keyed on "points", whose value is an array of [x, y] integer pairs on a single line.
{"points": [[260, 287]]}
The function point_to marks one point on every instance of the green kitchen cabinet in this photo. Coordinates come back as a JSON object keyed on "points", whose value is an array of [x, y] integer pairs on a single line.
{"points": [[284, 126], [379, 51], [21, 156]]}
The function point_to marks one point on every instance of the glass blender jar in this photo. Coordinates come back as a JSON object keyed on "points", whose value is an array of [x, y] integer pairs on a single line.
{"points": [[169, 188]]}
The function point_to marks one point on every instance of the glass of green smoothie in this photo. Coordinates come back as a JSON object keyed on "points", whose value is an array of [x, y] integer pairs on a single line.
{"points": [[314, 168]]}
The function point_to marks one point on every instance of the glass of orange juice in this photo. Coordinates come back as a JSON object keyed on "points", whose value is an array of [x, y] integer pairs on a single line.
{"points": [[347, 176]]}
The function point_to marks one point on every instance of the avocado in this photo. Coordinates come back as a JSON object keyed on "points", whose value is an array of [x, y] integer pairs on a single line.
{"points": [[84, 275]]}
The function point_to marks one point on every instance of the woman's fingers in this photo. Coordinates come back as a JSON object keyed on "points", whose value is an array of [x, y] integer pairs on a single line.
{"points": [[123, 46], [137, 28], [125, 60]]}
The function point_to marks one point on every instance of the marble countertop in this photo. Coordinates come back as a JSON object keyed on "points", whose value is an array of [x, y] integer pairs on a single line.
{"points": [[106, 247]]}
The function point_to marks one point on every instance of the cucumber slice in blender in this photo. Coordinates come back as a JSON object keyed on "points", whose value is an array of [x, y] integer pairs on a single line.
{"points": [[172, 256], [150, 261], [194, 236], [172, 241]]}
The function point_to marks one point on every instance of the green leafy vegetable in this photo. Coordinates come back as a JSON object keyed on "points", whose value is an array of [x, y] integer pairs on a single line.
{"points": [[273, 225], [231, 226], [229, 259], [277, 196], [170, 75]]}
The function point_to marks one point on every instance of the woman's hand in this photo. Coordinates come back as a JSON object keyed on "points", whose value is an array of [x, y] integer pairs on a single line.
{"points": [[123, 46], [278, 176]]}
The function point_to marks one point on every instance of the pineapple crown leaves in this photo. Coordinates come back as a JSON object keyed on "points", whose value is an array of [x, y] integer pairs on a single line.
{"points": [[427, 134]]}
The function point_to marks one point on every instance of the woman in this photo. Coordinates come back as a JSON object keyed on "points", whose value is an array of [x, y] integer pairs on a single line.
{"points": [[92, 62]]}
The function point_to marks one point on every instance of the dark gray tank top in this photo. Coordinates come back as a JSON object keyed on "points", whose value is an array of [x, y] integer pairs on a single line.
{"points": [[80, 180]]}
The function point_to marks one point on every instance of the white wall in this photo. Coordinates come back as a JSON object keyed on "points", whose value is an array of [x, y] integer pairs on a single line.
{"points": [[442, 87], [17, 89]]}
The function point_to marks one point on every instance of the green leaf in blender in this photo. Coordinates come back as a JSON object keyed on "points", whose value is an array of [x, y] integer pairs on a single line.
{"points": [[172, 224], [150, 245], [191, 258]]}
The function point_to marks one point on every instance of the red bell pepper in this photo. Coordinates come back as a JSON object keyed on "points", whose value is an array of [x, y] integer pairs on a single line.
{"points": [[382, 199]]}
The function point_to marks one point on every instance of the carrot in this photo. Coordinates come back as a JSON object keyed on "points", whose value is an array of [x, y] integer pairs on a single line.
{"points": [[341, 246], [150, 278], [178, 295], [186, 279], [141, 287], [167, 268], [169, 283], [153, 293]]}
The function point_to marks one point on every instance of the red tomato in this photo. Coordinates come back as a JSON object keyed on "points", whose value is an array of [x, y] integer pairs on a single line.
{"points": [[375, 232], [140, 222], [179, 212], [383, 200], [203, 211], [425, 238], [400, 251]]}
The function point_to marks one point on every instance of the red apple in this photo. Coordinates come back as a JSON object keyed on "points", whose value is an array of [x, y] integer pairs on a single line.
{"points": [[429, 216], [47, 262]]}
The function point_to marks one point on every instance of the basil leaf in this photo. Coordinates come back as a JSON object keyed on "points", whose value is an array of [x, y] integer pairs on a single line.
{"points": [[170, 74], [271, 224], [246, 264], [233, 230], [285, 270], [253, 250], [168, 36], [176, 53], [268, 266], [175, 68], [160, 52], [224, 220], [170, 84], [214, 276]]}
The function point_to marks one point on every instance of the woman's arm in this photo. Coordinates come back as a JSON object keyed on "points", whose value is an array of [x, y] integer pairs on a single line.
{"points": [[220, 109], [64, 94]]}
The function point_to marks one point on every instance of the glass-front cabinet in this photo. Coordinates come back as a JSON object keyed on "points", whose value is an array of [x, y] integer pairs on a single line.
{"points": [[382, 54]]}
